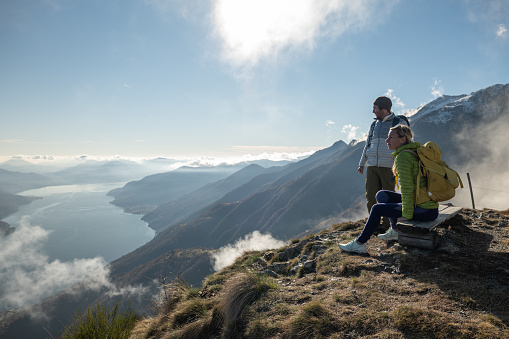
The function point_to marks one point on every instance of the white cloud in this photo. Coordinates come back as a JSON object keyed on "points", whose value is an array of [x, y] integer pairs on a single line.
{"points": [[487, 11], [274, 153], [437, 89], [254, 30], [13, 141], [255, 241], [242, 154], [501, 31], [396, 102], [351, 131], [27, 275], [330, 128]]}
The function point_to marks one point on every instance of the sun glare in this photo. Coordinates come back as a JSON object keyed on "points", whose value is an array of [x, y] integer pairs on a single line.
{"points": [[254, 29]]}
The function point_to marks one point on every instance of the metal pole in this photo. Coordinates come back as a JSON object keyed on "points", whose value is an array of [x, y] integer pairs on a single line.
{"points": [[471, 193]]}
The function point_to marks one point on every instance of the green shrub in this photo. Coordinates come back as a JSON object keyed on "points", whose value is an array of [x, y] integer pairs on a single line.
{"points": [[101, 322], [193, 292]]}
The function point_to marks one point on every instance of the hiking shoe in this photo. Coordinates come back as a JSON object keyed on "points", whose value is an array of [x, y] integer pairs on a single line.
{"points": [[391, 234], [354, 247]]}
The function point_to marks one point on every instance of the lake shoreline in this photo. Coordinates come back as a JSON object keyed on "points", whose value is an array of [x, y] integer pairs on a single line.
{"points": [[80, 219]]}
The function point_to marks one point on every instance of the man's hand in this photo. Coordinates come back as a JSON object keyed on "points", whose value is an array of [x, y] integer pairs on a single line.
{"points": [[360, 170]]}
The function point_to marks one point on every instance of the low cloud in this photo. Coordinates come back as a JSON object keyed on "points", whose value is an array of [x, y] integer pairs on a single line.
{"points": [[161, 164], [255, 241], [13, 141], [27, 276], [487, 148]]}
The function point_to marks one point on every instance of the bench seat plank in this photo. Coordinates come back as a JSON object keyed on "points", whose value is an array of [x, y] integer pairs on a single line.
{"points": [[422, 227], [420, 233]]}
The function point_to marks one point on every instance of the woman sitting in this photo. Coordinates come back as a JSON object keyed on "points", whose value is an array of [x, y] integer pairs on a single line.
{"points": [[394, 205]]}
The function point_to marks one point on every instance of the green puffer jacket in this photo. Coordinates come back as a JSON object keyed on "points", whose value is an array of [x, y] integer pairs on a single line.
{"points": [[407, 167]]}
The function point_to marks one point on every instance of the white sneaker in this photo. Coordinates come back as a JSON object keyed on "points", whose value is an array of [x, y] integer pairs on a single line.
{"points": [[353, 246], [391, 234]]}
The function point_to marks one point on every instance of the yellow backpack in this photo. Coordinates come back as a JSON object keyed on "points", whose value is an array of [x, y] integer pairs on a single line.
{"points": [[441, 180]]}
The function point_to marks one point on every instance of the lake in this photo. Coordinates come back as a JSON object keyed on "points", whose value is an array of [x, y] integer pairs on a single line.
{"points": [[82, 222]]}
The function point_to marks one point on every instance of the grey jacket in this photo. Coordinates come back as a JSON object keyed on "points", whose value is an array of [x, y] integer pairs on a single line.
{"points": [[377, 153]]}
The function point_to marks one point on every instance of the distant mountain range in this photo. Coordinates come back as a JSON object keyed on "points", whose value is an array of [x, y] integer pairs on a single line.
{"points": [[144, 195], [292, 200], [16, 182]]}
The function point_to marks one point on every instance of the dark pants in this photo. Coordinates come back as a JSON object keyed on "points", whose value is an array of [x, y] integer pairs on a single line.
{"points": [[378, 178], [389, 205]]}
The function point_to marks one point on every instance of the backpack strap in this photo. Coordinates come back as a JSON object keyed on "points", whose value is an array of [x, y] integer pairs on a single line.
{"points": [[397, 119], [370, 134], [405, 119]]}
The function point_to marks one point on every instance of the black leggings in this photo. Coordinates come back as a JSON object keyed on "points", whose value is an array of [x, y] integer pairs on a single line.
{"points": [[389, 205]]}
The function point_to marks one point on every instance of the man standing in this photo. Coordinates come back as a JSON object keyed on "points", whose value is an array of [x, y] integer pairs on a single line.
{"points": [[376, 156]]}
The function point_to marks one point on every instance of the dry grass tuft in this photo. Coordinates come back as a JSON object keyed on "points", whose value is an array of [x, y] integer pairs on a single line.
{"points": [[189, 312], [313, 321], [347, 226], [171, 294], [414, 321], [240, 291]]}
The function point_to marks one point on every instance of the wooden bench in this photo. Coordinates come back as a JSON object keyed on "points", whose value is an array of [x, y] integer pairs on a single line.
{"points": [[420, 233]]}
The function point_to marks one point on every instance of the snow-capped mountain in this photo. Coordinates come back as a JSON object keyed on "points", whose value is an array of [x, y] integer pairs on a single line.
{"points": [[486, 103], [434, 105]]}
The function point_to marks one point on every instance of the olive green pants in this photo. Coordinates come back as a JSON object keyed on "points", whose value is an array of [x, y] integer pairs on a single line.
{"points": [[378, 178]]}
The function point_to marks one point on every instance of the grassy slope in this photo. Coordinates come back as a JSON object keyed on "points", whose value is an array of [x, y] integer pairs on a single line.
{"points": [[459, 290]]}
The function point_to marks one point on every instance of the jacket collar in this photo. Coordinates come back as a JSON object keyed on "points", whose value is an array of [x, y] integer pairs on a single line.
{"points": [[412, 145], [389, 117]]}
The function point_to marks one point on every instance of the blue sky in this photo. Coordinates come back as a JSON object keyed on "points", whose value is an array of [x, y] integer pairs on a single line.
{"points": [[174, 78]]}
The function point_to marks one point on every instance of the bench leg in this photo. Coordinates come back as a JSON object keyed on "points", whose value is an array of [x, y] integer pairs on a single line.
{"points": [[428, 241]]}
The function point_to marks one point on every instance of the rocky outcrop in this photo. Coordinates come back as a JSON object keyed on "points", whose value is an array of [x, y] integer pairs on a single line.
{"points": [[5, 229]]}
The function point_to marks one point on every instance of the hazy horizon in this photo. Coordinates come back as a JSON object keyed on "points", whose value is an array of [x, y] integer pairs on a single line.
{"points": [[54, 163]]}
